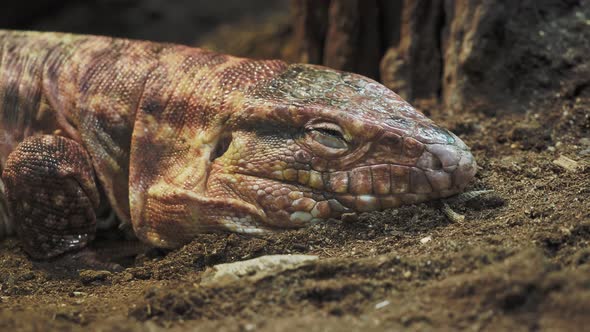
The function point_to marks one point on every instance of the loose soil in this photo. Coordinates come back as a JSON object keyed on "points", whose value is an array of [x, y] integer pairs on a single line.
{"points": [[519, 261]]}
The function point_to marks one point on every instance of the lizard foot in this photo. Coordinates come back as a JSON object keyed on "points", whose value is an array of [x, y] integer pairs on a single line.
{"points": [[51, 195]]}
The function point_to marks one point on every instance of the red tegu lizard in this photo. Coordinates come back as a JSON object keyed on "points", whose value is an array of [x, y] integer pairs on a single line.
{"points": [[183, 140]]}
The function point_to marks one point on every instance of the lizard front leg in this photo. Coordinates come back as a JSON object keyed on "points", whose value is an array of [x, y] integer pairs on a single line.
{"points": [[51, 195]]}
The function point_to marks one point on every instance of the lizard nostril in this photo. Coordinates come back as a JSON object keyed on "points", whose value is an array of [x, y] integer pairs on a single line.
{"points": [[429, 161], [448, 155], [221, 147], [436, 164]]}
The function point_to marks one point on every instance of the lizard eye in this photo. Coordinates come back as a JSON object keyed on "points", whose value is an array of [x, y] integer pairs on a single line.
{"points": [[328, 134]]}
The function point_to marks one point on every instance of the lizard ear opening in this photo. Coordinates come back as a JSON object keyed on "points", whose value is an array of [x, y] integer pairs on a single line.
{"points": [[221, 147]]}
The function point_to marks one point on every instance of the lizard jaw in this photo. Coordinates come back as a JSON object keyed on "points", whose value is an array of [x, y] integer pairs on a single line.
{"points": [[296, 198]]}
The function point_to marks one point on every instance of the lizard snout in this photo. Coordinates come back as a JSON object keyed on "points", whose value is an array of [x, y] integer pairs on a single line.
{"points": [[449, 167]]}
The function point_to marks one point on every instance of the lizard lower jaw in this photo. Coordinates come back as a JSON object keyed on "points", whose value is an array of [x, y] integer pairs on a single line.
{"points": [[370, 202]]}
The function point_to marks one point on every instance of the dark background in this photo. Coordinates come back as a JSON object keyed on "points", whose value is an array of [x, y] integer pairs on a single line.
{"points": [[181, 21]]}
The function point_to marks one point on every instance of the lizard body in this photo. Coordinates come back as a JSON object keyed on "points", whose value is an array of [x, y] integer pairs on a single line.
{"points": [[183, 140]]}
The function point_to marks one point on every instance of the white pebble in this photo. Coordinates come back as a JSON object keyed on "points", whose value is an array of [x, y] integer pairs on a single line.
{"points": [[425, 239], [381, 304]]}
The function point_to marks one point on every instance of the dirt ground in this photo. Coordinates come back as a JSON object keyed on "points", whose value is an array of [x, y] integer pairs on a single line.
{"points": [[519, 261]]}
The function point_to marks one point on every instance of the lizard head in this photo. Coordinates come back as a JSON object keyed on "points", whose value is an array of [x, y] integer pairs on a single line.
{"points": [[313, 143]]}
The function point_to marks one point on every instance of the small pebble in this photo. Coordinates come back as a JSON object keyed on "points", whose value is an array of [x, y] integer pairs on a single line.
{"points": [[381, 304], [425, 239], [567, 163], [261, 266]]}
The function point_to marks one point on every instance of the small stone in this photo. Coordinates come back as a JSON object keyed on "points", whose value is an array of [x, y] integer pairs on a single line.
{"points": [[425, 240], [78, 294], [407, 274], [381, 304], [255, 268], [567, 163]]}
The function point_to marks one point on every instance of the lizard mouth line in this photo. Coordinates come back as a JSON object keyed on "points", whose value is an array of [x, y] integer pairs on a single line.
{"points": [[381, 180], [368, 188]]}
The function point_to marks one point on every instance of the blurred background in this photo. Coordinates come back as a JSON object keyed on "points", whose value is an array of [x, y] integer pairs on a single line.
{"points": [[254, 28], [180, 21]]}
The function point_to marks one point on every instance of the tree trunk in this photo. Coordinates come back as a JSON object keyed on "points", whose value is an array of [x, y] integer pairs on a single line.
{"points": [[483, 55]]}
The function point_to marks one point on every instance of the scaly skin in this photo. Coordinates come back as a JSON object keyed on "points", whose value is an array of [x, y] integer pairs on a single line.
{"points": [[183, 140]]}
